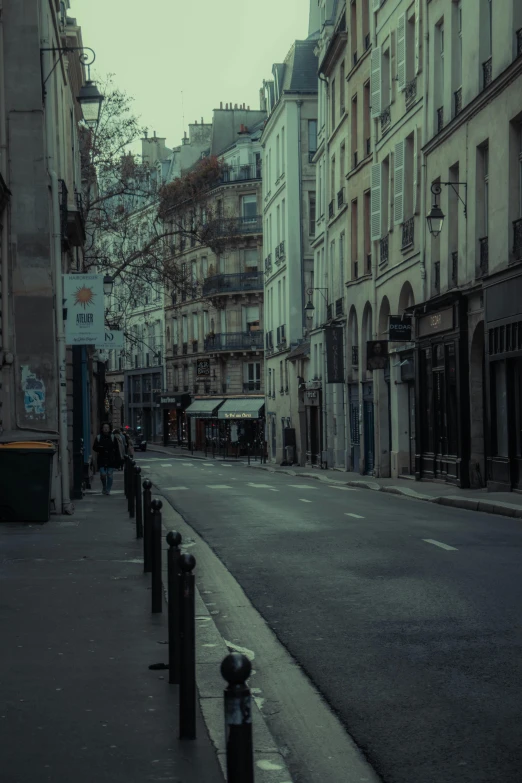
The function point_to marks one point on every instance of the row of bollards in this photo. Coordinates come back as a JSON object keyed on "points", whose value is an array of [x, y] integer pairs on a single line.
{"points": [[235, 668]]}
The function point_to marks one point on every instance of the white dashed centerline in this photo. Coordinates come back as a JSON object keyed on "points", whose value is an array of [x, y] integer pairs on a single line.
{"points": [[218, 486], [302, 486], [440, 544], [303, 500], [175, 489], [355, 516], [345, 489]]}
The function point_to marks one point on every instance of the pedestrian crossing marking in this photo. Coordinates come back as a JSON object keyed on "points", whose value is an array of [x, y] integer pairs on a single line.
{"points": [[218, 486], [188, 464], [174, 489], [166, 466], [302, 486], [261, 486], [356, 516]]}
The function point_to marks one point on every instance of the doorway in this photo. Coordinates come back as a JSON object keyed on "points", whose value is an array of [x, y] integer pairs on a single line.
{"points": [[355, 435], [369, 429]]}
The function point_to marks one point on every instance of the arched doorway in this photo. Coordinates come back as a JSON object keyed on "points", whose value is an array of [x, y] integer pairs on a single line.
{"points": [[353, 389], [406, 298], [382, 395], [405, 445], [367, 394], [477, 468]]}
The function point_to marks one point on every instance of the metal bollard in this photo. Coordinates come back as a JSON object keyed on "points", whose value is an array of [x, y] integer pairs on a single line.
{"points": [[156, 507], [248, 452], [126, 475], [236, 669], [147, 527], [187, 686], [132, 494], [137, 500], [174, 542]]}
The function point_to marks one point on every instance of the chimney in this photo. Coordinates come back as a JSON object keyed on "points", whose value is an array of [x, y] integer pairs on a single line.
{"points": [[154, 134], [248, 108], [202, 121], [221, 104], [235, 106], [195, 122], [226, 106], [146, 134]]}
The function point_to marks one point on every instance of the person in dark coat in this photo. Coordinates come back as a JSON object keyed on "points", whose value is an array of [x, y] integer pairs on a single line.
{"points": [[106, 447]]}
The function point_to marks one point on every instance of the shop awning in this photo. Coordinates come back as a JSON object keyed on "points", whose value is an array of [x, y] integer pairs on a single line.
{"points": [[244, 408], [204, 409]]}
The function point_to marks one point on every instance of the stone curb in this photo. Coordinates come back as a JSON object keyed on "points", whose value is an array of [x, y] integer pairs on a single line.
{"points": [[211, 648], [455, 501]]}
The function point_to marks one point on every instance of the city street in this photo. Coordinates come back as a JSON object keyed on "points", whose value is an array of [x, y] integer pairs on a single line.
{"points": [[405, 615]]}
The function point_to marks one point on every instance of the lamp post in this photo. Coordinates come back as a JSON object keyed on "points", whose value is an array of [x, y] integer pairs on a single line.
{"points": [[89, 98], [108, 283], [310, 307], [435, 218]]}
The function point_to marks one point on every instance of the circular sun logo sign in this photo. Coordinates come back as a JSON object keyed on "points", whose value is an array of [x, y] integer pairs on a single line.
{"points": [[84, 297]]}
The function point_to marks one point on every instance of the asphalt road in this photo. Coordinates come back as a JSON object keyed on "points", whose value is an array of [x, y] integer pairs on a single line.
{"points": [[405, 615]]}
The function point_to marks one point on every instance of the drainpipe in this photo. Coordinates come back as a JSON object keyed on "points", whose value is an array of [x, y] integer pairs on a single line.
{"points": [[424, 181], [67, 506], [4, 272], [301, 241]]}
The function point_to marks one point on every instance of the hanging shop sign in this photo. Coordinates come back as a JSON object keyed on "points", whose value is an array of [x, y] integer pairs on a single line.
{"points": [[334, 354], [436, 322], [203, 368], [114, 340], [399, 329], [85, 309], [376, 354]]}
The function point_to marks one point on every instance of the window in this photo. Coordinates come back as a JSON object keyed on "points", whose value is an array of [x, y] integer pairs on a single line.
{"points": [[278, 224], [282, 150], [278, 156], [366, 119], [204, 267], [205, 323], [249, 207], [439, 76], [375, 82], [283, 219], [458, 47], [386, 79], [354, 232], [355, 151], [485, 166], [175, 332], [250, 318], [520, 170], [342, 239], [342, 159], [332, 179], [342, 87], [251, 259], [311, 210], [195, 329], [332, 106], [366, 227], [184, 323]]}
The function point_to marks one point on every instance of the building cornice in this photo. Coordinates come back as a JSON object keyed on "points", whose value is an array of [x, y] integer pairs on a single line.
{"points": [[485, 97]]}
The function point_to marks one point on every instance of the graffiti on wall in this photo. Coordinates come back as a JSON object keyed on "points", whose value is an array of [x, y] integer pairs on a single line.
{"points": [[34, 393]]}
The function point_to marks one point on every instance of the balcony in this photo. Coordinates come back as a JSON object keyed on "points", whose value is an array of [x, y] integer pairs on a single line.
{"points": [[487, 72], [340, 198], [194, 346], [331, 209], [234, 341], [269, 341], [454, 267], [251, 386], [281, 336], [329, 312], [440, 119], [483, 256], [338, 307], [228, 284], [240, 173], [355, 355], [280, 252], [175, 349], [519, 42], [457, 99], [383, 246], [517, 239], [237, 226], [407, 233], [368, 263], [410, 91], [268, 265], [184, 349], [385, 118]]}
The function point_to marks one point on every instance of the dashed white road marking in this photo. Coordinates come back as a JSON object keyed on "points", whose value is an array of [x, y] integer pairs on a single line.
{"points": [[209, 464], [345, 489], [440, 544], [356, 516], [225, 465], [188, 464], [218, 486], [303, 500], [261, 486], [175, 489], [166, 466], [302, 486]]}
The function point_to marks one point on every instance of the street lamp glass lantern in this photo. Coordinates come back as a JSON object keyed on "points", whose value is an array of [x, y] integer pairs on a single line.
{"points": [[309, 307], [435, 220], [90, 99], [108, 283]]}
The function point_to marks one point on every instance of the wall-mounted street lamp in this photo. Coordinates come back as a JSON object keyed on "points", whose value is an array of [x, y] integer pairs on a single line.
{"points": [[309, 306], [108, 283], [90, 98], [436, 216]]}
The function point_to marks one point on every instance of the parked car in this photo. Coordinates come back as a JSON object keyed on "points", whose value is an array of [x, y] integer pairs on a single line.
{"points": [[139, 440]]}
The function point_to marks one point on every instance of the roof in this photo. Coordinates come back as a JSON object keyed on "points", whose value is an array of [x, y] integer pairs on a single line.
{"points": [[304, 68], [301, 351], [243, 408], [204, 409]]}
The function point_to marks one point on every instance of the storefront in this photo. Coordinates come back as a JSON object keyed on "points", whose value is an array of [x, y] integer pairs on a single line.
{"points": [[503, 304], [242, 425], [173, 407], [314, 429], [442, 376], [204, 428], [142, 388]]}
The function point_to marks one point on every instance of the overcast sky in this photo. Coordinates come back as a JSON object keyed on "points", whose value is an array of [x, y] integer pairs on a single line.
{"points": [[209, 50]]}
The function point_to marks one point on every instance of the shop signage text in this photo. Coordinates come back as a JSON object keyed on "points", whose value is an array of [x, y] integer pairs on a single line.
{"points": [[202, 367], [85, 309], [436, 322], [239, 416], [400, 328]]}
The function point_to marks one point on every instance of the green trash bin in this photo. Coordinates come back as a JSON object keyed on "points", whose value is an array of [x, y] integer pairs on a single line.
{"points": [[25, 481]]}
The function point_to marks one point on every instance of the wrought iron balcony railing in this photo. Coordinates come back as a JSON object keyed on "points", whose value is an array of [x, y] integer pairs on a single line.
{"points": [[340, 198], [517, 239], [407, 233], [241, 173], [234, 341], [487, 72], [331, 209], [410, 92], [268, 265], [237, 226], [384, 250], [251, 386], [457, 97], [483, 256], [227, 284], [385, 118], [280, 253], [338, 307]]}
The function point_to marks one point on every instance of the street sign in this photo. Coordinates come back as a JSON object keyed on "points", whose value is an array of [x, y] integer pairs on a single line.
{"points": [[85, 309], [399, 329], [203, 367], [114, 340]]}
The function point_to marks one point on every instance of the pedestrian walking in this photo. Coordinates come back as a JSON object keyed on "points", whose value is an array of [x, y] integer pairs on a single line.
{"points": [[120, 439], [108, 455]]}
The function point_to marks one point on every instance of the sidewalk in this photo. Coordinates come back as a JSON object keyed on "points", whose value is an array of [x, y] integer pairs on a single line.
{"points": [[78, 700], [503, 503]]}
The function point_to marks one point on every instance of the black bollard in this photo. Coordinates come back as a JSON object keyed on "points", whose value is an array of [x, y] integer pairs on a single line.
{"points": [[187, 686], [156, 507], [126, 475], [248, 452], [174, 542], [147, 527], [132, 494], [137, 500], [236, 669]]}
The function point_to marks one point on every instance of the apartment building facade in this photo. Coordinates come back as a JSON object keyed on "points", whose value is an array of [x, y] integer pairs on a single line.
{"points": [[289, 143], [468, 324], [214, 325]]}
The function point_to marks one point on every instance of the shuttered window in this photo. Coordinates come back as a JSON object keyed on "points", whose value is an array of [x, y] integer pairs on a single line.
{"points": [[376, 202], [398, 183], [376, 86], [401, 52]]}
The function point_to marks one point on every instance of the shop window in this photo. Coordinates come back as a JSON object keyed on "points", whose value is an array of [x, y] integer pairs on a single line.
{"points": [[499, 386], [452, 399]]}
